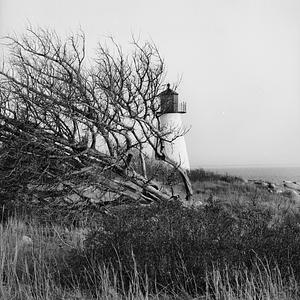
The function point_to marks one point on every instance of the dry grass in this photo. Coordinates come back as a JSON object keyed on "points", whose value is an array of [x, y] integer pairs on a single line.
{"points": [[34, 259], [32, 270]]}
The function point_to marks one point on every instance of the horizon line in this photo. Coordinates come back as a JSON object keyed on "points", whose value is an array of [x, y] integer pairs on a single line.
{"points": [[229, 166]]}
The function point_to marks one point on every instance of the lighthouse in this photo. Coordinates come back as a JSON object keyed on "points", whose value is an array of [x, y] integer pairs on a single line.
{"points": [[170, 121]]}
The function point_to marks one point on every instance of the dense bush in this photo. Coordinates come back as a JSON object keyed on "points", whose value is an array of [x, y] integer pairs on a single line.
{"points": [[21, 165], [39, 271], [204, 175], [176, 246]]}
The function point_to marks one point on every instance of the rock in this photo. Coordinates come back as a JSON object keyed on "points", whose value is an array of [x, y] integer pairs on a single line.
{"points": [[292, 185], [271, 186], [77, 236], [258, 182], [288, 188], [212, 199], [292, 194], [26, 241]]}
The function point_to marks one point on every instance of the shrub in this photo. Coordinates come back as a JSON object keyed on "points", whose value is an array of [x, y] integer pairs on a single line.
{"points": [[204, 175], [176, 246]]}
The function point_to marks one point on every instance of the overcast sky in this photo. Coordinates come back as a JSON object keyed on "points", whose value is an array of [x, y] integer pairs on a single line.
{"points": [[239, 61]]}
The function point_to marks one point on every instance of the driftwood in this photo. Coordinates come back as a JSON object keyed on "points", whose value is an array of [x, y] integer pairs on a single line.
{"points": [[125, 181]]}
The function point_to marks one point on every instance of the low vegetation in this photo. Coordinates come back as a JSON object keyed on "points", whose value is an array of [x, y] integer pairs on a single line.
{"points": [[240, 243], [86, 215]]}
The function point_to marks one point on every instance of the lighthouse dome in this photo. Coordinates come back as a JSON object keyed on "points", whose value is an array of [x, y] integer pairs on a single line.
{"points": [[169, 102]]}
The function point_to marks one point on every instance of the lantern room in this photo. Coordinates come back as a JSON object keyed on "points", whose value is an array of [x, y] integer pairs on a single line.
{"points": [[169, 102]]}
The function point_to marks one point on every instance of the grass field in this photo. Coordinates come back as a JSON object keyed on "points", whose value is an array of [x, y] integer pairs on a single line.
{"points": [[241, 243]]}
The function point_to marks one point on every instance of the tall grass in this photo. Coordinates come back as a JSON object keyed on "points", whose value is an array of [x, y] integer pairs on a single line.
{"points": [[261, 283], [42, 270], [241, 244]]}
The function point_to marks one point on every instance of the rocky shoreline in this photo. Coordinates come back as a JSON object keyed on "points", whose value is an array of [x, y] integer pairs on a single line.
{"points": [[286, 188]]}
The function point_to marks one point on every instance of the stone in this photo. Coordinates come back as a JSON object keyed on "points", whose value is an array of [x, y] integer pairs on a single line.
{"points": [[272, 186], [292, 185], [26, 241]]}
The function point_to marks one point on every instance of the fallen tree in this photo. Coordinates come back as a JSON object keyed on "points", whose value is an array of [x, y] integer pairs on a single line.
{"points": [[68, 125]]}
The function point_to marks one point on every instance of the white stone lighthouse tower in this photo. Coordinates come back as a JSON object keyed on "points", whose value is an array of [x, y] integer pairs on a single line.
{"points": [[170, 121]]}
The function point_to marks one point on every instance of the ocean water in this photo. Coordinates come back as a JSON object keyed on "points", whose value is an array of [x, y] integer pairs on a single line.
{"points": [[274, 174]]}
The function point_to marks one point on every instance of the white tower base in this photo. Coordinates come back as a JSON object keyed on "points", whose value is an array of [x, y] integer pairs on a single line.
{"points": [[175, 150]]}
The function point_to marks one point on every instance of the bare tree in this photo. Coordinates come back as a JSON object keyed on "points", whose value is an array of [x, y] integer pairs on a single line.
{"points": [[82, 122]]}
